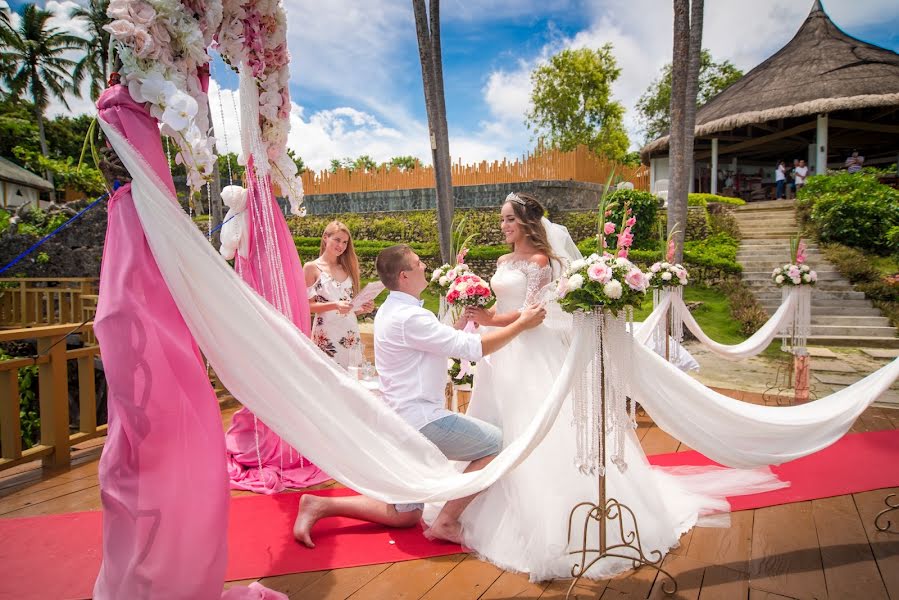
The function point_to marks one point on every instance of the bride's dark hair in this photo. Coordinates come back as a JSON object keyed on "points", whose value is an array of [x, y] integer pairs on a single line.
{"points": [[529, 213]]}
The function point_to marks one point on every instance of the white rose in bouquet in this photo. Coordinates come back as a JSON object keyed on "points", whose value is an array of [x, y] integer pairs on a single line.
{"points": [[613, 289]]}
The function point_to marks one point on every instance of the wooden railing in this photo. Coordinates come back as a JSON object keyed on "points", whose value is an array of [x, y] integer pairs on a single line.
{"points": [[579, 165], [34, 302], [53, 396]]}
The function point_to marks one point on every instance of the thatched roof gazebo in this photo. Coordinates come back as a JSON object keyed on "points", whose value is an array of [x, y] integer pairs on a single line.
{"points": [[819, 97]]}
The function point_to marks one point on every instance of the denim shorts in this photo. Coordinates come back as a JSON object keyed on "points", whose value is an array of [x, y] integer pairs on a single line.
{"points": [[462, 438]]}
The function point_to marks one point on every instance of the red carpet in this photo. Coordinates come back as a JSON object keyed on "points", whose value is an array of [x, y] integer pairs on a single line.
{"points": [[859, 462], [260, 541]]}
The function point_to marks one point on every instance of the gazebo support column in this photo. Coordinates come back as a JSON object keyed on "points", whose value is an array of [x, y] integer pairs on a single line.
{"points": [[714, 175], [821, 145]]}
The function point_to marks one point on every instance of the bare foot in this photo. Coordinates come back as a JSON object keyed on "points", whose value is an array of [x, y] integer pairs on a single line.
{"points": [[309, 512], [449, 532]]}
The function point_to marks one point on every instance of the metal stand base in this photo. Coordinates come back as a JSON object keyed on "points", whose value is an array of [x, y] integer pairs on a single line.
{"points": [[781, 390], [880, 521], [630, 547]]}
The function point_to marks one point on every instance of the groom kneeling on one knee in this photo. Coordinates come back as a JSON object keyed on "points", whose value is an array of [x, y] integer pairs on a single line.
{"points": [[411, 350]]}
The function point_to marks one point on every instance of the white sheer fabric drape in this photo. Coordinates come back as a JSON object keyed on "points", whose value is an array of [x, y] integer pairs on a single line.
{"points": [[750, 347], [280, 375], [740, 434]]}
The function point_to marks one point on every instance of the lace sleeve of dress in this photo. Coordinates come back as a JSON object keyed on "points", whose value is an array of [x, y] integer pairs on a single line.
{"points": [[538, 278]]}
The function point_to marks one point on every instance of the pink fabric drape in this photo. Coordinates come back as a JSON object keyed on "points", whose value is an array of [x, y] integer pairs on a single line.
{"points": [[272, 268], [163, 483]]}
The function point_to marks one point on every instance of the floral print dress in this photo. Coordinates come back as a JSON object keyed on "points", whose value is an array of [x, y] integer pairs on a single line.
{"points": [[337, 335]]}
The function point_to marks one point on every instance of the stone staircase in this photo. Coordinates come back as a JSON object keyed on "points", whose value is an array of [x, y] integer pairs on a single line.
{"points": [[841, 316]]}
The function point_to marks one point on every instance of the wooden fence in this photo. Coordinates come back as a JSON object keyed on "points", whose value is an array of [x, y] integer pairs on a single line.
{"points": [[579, 165], [53, 397], [34, 302]]}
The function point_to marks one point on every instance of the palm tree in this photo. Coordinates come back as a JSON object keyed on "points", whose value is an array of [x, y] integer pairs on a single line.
{"points": [[684, 87], [93, 64], [35, 65], [429, 53]]}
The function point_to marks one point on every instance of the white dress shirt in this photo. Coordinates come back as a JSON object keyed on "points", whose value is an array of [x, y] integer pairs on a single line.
{"points": [[411, 351]]}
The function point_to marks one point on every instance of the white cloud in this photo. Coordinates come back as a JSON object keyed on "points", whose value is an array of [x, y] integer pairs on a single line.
{"points": [[344, 131]]}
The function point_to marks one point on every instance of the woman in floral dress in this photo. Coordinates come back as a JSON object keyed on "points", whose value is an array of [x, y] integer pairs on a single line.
{"points": [[332, 280]]}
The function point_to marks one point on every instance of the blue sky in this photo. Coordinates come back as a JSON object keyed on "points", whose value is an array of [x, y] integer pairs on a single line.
{"points": [[356, 80]]}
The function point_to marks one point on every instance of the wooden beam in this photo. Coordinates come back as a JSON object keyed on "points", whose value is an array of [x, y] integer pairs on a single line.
{"points": [[887, 111], [765, 127], [864, 126], [762, 140]]}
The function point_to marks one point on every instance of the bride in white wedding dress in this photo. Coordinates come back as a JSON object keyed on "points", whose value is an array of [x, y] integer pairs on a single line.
{"points": [[521, 522]]}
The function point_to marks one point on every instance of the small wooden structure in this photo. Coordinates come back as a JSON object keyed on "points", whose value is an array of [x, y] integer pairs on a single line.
{"points": [[20, 186]]}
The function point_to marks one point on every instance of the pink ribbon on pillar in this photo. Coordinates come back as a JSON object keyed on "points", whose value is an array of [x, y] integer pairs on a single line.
{"points": [[258, 459], [163, 482]]}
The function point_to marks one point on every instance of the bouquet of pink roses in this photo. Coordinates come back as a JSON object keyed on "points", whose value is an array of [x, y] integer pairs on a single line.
{"points": [[468, 290]]}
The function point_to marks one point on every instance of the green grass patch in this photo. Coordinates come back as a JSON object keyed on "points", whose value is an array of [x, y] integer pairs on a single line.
{"points": [[885, 265], [714, 315]]}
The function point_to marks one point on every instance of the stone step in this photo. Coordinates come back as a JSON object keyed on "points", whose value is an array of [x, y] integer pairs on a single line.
{"points": [[765, 205], [778, 256], [760, 275], [771, 244], [779, 217], [766, 267], [854, 341], [784, 242], [850, 311], [754, 224], [846, 321], [837, 330], [827, 289], [819, 297], [776, 235]]}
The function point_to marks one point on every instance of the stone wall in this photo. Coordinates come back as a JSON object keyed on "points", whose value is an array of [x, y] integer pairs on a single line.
{"points": [[554, 195]]}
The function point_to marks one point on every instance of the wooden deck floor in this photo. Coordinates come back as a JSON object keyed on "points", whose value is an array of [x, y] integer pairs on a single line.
{"points": [[820, 549]]}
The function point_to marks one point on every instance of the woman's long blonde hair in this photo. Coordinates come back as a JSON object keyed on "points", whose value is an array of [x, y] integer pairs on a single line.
{"points": [[529, 213], [348, 260]]}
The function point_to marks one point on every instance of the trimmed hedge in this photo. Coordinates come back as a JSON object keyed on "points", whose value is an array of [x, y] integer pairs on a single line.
{"points": [[709, 261], [706, 199]]}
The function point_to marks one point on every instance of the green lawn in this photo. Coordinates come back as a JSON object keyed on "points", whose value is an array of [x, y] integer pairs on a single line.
{"points": [[886, 265]]}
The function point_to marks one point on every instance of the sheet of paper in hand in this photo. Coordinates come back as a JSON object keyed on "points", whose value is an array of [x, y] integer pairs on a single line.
{"points": [[368, 294]]}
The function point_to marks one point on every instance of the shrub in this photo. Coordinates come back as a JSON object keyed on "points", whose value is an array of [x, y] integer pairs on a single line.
{"points": [[582, 225], [29, 416], [852, 263], [4, 221], [644, 206], [851, 209], [706, 199], [722, 221], [881, 290], [744, 307], [709, 261]]}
